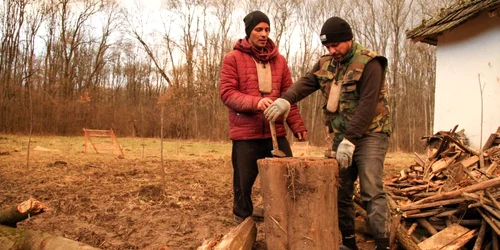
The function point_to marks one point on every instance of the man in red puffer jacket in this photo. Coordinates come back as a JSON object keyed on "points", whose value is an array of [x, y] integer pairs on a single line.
{"points": [[253, 75]]}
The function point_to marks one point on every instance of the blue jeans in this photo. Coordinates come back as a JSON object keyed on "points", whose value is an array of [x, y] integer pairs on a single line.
{"points": [[368, 165]]}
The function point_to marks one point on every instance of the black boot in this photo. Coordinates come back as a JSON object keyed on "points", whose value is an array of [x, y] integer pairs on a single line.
{"points": [[342, 247], [350, 242], [382, 244]]}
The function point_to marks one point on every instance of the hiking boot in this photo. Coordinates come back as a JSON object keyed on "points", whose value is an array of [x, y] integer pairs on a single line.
{"points": [[382, 244]]}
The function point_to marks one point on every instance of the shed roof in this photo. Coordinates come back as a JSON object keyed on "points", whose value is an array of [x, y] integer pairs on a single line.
{"points": [[449, 18]]}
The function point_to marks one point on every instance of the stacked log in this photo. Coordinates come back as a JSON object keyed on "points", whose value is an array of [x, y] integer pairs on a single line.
{"points": [[453, 192]]}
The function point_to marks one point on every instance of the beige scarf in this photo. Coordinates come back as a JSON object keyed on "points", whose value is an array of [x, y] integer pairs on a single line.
{"points": [[334, 96], [265, 77]]}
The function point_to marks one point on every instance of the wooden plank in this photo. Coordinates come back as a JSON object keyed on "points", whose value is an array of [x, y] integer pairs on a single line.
{"points": [[300, 148], [492, 168], [489, 142], [443, 163], [460, 242], [469, 161], [452, 237], [419, 160]]}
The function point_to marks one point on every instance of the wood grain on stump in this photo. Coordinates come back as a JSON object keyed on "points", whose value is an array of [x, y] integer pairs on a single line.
{"points": [[300, 203]]}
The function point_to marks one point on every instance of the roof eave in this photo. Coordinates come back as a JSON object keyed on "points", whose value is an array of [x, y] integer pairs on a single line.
{"points": [[431, 40]]}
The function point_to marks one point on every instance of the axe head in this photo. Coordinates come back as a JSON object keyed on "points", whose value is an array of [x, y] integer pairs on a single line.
{"points": [[278, 153]]}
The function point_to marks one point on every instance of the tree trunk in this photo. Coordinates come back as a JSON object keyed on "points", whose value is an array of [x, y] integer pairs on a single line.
{"points": [[14, 239], [300, 203]]}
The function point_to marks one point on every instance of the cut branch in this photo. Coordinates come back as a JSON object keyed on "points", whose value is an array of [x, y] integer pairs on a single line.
{"points": [[456, 193]]}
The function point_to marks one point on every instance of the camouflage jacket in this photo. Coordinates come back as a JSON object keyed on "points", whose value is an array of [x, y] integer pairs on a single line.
{"points": [[348, 73]]}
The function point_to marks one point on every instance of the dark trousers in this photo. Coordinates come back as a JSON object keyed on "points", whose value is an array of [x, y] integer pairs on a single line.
{"points": [[244, 157], [368, 165]]}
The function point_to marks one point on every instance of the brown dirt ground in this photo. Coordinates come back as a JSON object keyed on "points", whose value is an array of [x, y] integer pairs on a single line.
{"points": [[121, 203]]}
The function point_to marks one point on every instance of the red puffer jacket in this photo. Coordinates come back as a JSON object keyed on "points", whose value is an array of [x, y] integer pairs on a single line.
{"points": [[239, 91]]}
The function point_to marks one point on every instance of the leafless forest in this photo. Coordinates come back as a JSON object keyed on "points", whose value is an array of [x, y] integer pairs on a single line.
{"points": [[69, 64]]}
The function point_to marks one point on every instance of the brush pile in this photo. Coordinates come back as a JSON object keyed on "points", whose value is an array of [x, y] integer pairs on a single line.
{"points": [[449, 198]]}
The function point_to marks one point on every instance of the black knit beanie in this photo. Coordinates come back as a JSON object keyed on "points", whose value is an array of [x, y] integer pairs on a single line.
{"points": [[254, 18], [335, 30]]}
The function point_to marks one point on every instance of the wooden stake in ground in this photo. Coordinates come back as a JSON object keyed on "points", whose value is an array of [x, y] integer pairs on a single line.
{"points": [[300, 203], [12, 215]]}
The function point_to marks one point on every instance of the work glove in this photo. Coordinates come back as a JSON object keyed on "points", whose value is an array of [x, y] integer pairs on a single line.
{"points": [[279, 107], [344, 153]]}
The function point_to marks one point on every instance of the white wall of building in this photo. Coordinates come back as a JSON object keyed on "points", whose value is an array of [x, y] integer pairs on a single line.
{"points": [[466, 55]]}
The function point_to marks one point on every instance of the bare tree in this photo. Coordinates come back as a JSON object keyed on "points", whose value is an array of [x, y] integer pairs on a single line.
{"points": [[33, 22], [88, 64], [12, 21]]}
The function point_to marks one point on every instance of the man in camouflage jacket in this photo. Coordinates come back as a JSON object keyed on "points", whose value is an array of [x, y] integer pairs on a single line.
{"points": [[352, 80]]}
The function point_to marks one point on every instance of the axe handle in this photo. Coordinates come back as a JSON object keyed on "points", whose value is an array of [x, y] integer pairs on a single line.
{"points": [[273, 136]]}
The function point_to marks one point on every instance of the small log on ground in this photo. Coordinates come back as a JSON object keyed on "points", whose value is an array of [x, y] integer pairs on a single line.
{"points": [[300, 197], [14, 214], [16, 238], [404, 240], [494, 240], [428, 226], [480, 236], [241, 237], [489, 220]]}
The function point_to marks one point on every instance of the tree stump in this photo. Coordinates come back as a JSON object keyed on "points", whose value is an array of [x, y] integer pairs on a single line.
{"points": [[300, 203]]}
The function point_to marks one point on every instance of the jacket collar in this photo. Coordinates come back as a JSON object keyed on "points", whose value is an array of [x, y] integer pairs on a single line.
{"points": [[263, 56]]}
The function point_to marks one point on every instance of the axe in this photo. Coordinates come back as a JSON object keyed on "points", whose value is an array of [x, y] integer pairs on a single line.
{"points": [[276, 151]]}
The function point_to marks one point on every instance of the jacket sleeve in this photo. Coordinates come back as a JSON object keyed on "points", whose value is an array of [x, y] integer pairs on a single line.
{"points": [[303, 87], [294, 119], [229, 90]]}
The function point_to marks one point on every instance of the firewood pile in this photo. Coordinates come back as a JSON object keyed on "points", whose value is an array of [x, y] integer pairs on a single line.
{"points": [[449, 198]]}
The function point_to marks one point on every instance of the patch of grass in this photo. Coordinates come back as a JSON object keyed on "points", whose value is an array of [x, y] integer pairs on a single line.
{"points": [[400, 159], [133, 148], [148, 148]]}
